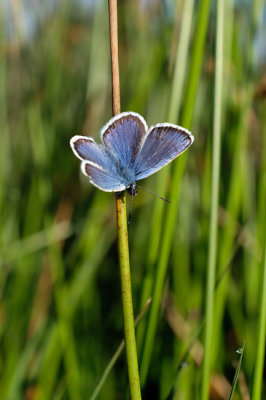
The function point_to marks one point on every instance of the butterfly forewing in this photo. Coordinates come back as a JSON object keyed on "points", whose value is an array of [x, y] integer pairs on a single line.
{"points": [[164, 142], [124, 135]]}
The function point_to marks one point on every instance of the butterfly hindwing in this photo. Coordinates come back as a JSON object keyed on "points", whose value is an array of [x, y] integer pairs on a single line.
{"points": [[86, 149], [101, 178], [98, 163], [124, 135], [163, 143]]}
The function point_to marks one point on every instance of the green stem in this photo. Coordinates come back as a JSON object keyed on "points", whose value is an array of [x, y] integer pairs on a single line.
{"points": [[214, 199], [129, 328], [122, 234]]}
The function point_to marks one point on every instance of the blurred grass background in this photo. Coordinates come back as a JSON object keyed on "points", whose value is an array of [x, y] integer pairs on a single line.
{"points": [[60, 310]]}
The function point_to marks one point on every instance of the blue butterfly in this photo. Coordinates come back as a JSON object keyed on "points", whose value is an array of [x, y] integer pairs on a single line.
{"points": [[129, 151]]}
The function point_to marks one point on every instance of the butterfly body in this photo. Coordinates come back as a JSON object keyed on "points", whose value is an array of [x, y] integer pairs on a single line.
{"points": [[129, 151], [132, 189]]}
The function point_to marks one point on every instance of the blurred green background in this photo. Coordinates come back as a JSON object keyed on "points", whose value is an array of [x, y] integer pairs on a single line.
{"points": [[60, 307]]}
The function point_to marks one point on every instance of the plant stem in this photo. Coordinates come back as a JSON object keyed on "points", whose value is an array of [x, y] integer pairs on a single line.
{"points": [[260, 358], [122, 233], [129, 329], [113, 24], [214, 200]]}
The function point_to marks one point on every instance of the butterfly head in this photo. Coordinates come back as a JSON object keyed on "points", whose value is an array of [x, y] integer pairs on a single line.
{"points": [[132, 189]]}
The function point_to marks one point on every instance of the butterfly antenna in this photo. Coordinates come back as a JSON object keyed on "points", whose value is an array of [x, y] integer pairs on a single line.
{"points": [[155, 194], [130, 208]]}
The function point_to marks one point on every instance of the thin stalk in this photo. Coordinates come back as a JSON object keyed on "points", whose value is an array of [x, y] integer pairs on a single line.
{"points": [[241, 351], [122, 233], [214, 199], [113, 25]]}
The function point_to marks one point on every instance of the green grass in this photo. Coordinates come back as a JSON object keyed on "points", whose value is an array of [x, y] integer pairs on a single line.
{"points": [[60, 307], [215, 184]]}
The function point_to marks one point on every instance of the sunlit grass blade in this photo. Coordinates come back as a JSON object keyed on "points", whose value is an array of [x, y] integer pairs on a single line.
{"points": [[212, 249], [233, 208], [181, 63]]}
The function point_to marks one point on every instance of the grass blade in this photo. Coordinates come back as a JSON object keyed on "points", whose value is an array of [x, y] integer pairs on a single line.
{"points": [[214, 199], [237, 372]]}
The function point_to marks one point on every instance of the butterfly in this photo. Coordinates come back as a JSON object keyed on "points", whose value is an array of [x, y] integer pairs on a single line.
{"points": [[129, 151]]}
